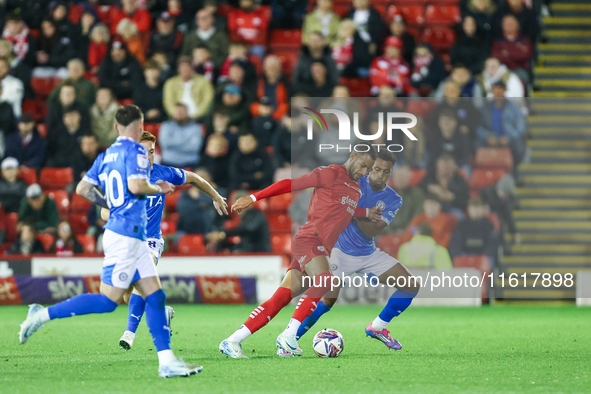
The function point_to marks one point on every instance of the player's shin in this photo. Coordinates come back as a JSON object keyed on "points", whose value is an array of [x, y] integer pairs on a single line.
{"points": [[321, 284], [308, 322], [82, 304], [137, 306], [398, 302], [156, 319]]}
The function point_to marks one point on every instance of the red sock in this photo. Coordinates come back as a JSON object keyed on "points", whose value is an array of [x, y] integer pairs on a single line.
{"points": [[310, 299], [264, 313]]}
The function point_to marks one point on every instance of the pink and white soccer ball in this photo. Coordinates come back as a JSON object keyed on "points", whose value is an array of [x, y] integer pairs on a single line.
{"points": [[328, 343]]}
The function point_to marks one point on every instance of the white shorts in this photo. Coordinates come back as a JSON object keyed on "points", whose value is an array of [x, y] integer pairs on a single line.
{"points": [[375, 264], [156, 246], [127, 260]]}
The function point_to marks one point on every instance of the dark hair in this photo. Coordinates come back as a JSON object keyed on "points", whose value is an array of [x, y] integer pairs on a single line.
{"points": [[425, 229], [386, 155], [372, 152], [475, 201], [432, 197], [71, 111], [448, 112], [446, 157], [152, 65], [68, 83], [15, 16], [202, 46], [128, 114]]}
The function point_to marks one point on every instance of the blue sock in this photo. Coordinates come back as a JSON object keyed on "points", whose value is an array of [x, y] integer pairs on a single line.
{"points": [[137, 305], [397, 303], [156, 319], [82, 304], [308, 322]]}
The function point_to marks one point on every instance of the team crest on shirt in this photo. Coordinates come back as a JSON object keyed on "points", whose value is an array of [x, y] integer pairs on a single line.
{"points": [[142, 161], [321, 248], [382, 205], [122, 276]]}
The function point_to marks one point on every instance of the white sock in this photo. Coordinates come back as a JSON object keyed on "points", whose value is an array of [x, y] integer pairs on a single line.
{"points": [[292, 327], [165, 356], [379, 324], [44, 315], [240, 334]]}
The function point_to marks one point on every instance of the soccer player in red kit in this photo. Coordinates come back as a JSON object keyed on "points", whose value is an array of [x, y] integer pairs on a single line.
{"points": [[333, 205]]}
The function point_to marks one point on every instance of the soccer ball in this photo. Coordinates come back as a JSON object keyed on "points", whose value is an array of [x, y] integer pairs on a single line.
{"points": [[328, 343]]}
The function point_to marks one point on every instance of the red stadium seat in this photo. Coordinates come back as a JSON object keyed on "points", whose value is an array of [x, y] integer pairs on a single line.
{"points": [[191, 244], [79, 204], [420, 107], [153, 128], [75, 14], [124, 102], [257, 63], [417, 176], [43, 86], [281, 243], [441, 38], [168, 227], [412, 14], [280, 39], [446, 2], [224, 9], [279, 223], [28, 175], [11, 222], [56, 178], [61, 201], [42, 129], [390, 243], [280, 203], [415, 32], [482, 178], [341, 9], [36, 108], [46, 240], [411, 2], [443, 15], [358, 87], [494, 158], [79, 222], [87, 241], [289, 59], [446, 60], [481, 263], [171, 200]]}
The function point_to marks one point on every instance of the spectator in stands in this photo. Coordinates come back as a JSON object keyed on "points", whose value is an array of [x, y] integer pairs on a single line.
{"points": [[422, 251], [238, 56], [127, 31], [166, 38], [274, 86], [441, 223], [26, 146], [120, 71], [196, 213], [202, 63], [12, 88], [288, 14], [63, 143], [85, 90], [514, 49], [450, 187], [216, 159], [412, 197], [59, 13], [12, 189], [447, 138], [66, 243], [495, 71], [249, 24], [102, 116], [148, 95], [18, 68], [398, 29], [342, 48], [501, 200], [67, 100], [502, 124], [391, 70], [253, 230], [83, 32], [231, 99], [303, 151], [428, 69], [183, 18], [527, 18], [369, 37], [38, 210], [18, 34], [321, 85], [53, 52], [321, 19], [221, 125], [180, 139], [6, 119], [465, 81], [264, 125], [89, 150], [281, 143], [166, 71], [415, 152], [131, 9], [251, 167], [27, 242], [98, 48], [471, 48], [475, 235], [315, 51], [207, 34], [483, 12], [191, 89]]}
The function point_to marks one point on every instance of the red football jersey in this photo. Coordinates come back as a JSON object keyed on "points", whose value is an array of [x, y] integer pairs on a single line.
{"points": [[250, 27]]}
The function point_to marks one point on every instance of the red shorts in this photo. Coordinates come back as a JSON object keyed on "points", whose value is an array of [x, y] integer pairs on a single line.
{"points": [[304, 249]]}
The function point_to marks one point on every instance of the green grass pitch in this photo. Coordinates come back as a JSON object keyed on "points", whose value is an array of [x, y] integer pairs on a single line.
{"points": [[489, 349]]}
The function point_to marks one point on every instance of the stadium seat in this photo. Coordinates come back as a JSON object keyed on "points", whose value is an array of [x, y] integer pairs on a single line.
{"points": [[445, 2], [482, 178], [281, 243], [412, 14], [87, 241], [56, 178], [417, 176], [153, 128], [420, 107], [358, 87], [11, 222], [341, 9], [28, 175], [171, 200], [46, 240], [446, 57], [280, 203], [79, 204], [390, 243], [168, 227], [75, 14], [61, 201], [481, 263], [279, 223], [289, 59], [494, 158], [443, 15], [191, 244], [441, 38], [280, 39], [124, 102], [79, 222], [411, 2], [42, 130], [43, 86], [224, 9], [37, 108]]}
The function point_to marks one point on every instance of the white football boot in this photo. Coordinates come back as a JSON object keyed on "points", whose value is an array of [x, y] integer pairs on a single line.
{"points": [[289, 344], [232, 349], [178, 367], [31, 324]]}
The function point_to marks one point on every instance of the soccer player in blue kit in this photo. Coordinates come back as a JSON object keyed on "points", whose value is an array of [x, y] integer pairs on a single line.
{"points": [[123, 172], [154, 208], [356, 252]]}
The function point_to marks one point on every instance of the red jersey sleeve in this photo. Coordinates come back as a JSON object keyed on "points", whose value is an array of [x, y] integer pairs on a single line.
{"points": [[320, 177]]}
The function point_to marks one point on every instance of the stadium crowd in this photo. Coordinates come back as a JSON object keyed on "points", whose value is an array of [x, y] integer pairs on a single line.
{"points": [[215, 79]]}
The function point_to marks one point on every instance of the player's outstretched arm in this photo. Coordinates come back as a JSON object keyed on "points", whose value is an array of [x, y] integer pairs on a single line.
{"points": [[91, 193], [142, 186], [219, 202]]}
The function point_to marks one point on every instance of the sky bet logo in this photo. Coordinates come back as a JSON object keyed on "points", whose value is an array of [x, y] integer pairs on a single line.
{"points": [[345, 129]]}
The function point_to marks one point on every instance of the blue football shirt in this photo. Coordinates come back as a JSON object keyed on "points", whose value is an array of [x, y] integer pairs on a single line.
{"points": [[124, 160], [155, 202], [353, 241]]}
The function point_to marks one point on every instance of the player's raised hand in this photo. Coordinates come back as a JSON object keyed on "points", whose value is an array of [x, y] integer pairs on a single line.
{"points": [[166, 187], [221, 205], [374, 214], [242, 203]]}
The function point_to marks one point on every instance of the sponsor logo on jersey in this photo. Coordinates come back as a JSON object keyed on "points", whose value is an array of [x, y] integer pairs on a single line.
{"points": [[142, 161]]}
